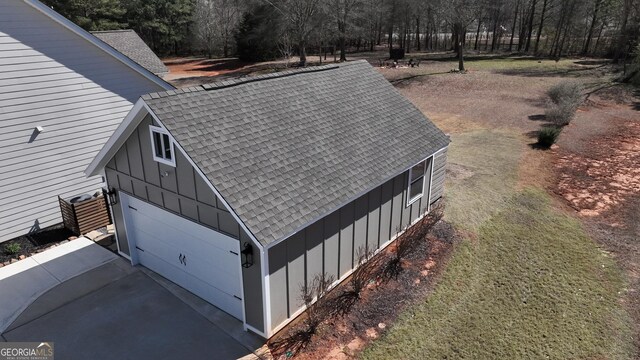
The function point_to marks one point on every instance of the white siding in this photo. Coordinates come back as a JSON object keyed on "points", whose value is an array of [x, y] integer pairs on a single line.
{"points": [[52, 77]]}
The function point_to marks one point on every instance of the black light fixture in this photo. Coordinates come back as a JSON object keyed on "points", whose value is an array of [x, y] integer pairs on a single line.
{"points": [[113, 196], [247, 255]]}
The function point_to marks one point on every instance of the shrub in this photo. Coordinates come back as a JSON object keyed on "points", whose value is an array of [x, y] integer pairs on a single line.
{"points": [[566, 93], [565, 98], [559, 115], [12, 249], [547, 136], [411, 238], [313, 296]]}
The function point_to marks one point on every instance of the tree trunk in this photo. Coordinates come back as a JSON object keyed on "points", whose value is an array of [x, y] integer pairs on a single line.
{"points": [[460, 45], [303, 53], [556, 38], [530, 30], [623, 31], [475, 46], [460, 58], [495, 32], [585, 50], [544, 9], [523, 29], [595, 47], [418, 33], [515, 22]]}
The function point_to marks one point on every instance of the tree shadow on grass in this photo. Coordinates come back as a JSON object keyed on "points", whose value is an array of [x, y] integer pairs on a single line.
{"points": [[538, 117], [408, 79], [558, 71]]}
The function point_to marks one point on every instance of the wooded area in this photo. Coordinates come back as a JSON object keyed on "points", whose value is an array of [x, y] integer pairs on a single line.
{"points": [[264, 29]]}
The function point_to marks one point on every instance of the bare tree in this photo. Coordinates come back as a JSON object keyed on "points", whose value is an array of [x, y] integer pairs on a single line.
{"points": [[215, 24], [205, 25], [342, 12], [460, 15], [302, 18]]}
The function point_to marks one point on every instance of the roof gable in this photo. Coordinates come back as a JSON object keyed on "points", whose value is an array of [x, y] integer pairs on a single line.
{"points": [[95, 41], [131, 45], [287, 149]]}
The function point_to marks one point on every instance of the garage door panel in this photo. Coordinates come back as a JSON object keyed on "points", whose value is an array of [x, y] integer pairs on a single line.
{"points": [[225, 262], [195, 239], [197, 258], [201, 268], [176, 224]]}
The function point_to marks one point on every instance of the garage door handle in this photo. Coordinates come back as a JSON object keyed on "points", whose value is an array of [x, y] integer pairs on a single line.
{"points": [[139, 249], [237, 297], [132, 208], [233, 252]]}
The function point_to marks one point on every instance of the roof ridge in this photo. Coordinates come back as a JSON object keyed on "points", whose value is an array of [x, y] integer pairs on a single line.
{"points": [[222, 84], [275, 75], [110, 31]]}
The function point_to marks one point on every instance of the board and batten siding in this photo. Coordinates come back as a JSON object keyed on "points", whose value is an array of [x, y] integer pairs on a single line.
{"points": [[332, 244], [182, 191], [53, 78]]}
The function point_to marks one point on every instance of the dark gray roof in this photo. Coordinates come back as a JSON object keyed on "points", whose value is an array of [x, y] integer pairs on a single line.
{"points": [[132, 46], [286, 149]]}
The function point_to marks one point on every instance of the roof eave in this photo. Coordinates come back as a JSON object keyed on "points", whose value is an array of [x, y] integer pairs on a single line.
{"points": [[119, 136]]}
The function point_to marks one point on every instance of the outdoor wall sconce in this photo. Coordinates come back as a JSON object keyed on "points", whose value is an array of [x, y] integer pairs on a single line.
{"points": [[247, 255], [113, 196]]}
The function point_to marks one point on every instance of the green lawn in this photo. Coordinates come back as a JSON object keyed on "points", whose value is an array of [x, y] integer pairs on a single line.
{"points": [[530, 285]]}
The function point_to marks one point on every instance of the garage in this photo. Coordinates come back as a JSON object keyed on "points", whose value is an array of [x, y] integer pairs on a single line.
{"points": [[201, 260]]}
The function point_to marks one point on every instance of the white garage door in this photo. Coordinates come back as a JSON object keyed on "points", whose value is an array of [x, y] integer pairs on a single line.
{"points": [[199, 259]]}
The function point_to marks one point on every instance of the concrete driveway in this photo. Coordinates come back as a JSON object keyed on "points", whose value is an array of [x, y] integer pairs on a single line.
{"points": [[132, 317]]}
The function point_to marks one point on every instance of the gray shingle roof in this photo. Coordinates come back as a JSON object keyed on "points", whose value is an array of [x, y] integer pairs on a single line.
{"points": [[286, 149], [132, 46]]}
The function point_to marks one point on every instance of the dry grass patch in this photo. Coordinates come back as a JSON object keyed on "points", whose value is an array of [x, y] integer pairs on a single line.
{"points": [[534, 285], [482, 174]]}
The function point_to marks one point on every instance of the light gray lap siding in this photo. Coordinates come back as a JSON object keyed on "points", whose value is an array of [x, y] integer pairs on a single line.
{"points": [[51, 77], [183, 192], [331, 244]]}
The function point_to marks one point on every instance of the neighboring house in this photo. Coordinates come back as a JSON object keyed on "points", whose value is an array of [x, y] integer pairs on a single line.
{"points": [[62, 93], [130, 44], [299, 169]]}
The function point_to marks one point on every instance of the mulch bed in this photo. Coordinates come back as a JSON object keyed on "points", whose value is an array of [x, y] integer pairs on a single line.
{"points": [[33, 243], [384, 299]]}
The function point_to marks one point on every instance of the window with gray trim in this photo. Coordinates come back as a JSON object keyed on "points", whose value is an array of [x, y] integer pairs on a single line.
{"points": [[415, 190]]}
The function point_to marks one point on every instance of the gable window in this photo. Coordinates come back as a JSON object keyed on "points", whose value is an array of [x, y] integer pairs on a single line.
{"points": [[415, 189], [162, 146]]}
